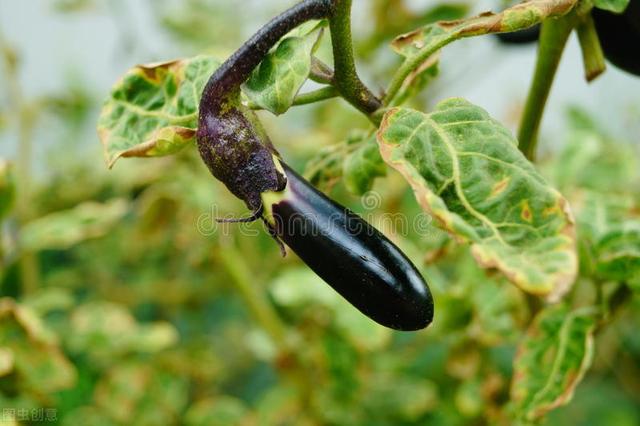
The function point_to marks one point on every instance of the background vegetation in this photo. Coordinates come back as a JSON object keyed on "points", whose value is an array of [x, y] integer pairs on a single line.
{"points": [[118, 307]]}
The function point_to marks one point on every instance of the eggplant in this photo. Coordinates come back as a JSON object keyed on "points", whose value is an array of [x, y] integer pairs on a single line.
{"points": [[349, 254], [526, 36], [620, 36]]}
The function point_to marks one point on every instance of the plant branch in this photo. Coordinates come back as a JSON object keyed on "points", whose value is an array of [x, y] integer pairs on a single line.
{"points": [[258, 306], [268, 319], [553, 38], [308, 98], [346, 79], [592, 55], [26, 118], [420, 44]]}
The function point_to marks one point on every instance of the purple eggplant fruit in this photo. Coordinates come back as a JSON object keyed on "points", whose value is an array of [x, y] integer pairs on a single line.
{"points": [[349, 254], [618, 34], [353, 257]]}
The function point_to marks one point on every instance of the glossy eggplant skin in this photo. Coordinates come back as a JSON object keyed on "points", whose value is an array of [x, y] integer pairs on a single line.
{"points": [[352, 256], [526, 36], [620, 36]]}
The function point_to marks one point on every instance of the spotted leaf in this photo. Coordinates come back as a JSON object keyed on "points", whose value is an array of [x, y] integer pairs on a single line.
{"points": [[552, 359], [467, 172], [153, 110]]}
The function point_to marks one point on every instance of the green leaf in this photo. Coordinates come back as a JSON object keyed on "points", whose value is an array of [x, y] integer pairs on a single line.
{"points": [[221, 411], [616, 6], [591, 159], [362, 166], [552, 359], [326, 168], [63, 229], [274, 84], [36, 356], [609, 235], [618, 253], [153, 110], [467, 172], [7, 188], [107, 329]]}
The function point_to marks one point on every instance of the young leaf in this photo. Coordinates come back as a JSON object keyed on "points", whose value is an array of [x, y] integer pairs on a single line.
{"points": [[615, 6], [153, 110], [552, 359], [467, 172], [279, 77]]}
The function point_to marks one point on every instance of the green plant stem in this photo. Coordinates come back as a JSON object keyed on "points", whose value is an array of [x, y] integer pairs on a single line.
{"points": [[257, 303], [592, 55], [309, 97], [266, 317], [316, 96], [553, 38], [346, 79], [26, 118]]}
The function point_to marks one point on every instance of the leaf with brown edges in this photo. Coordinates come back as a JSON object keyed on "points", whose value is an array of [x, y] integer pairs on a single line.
{"points": [[466, 170], [153, 110]]}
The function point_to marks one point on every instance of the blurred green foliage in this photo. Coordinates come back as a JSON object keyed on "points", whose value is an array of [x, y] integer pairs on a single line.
{"points": [[139, 309]]}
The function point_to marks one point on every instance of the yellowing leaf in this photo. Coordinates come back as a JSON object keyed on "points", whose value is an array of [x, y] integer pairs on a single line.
{"points": [[467, 172], [551, 361], [35, 355], [153, 110]]}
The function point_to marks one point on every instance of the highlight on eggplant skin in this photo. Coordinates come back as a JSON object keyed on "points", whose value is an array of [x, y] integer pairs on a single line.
{"points": [[619, 36], [353, 257]]}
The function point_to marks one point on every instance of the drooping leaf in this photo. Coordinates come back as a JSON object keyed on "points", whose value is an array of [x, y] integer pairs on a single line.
{"points": [[63, 229], [362, 166], [517, 17], [281, 74], [616, 6], [467, 172], [7, 188], [153, 110], [609, 235], [551, 361]]}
